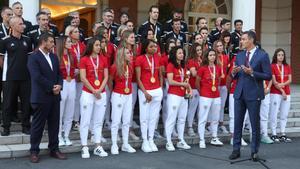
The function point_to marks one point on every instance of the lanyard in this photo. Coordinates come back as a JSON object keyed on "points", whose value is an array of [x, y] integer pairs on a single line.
{"points": [[126, 76], [213, 75], [281, 72], [151, 65], [95, 66], [181, 73], [67, 64]]}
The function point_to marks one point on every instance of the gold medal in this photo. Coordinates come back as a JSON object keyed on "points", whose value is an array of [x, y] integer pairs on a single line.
{"points": [[182, 88], [126, 90], [97, 82], [213, 88], [69, 78], [152, 79]]}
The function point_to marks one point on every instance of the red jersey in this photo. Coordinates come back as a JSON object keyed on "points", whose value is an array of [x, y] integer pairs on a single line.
{"points": [[193, 63], [224, 62], [164, 60], [178, 76], [66, 67], [206, 82], [110, 53], [77, 50], [87, 64], [120, 81], [146, 70], [281, 74]]}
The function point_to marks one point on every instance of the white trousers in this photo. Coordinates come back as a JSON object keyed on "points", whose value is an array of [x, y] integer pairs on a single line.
{"points": [[208, 106], [108, 105], [149, 112], [177, 109], [92, 112], [223, 94], [231, 114], [79, 86], [134, 98], [264, 115], [282, 106], [192, 108], [121, 109], [67, 106]]}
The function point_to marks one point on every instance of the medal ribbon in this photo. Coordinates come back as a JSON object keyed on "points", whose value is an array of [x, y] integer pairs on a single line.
{"points": [[281, 72], [213, 75], [67, 64], [95, 66], [151, 65]]}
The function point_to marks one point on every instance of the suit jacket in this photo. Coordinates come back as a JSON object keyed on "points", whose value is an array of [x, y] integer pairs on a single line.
{"points": [[252, 86], [43, 78]]}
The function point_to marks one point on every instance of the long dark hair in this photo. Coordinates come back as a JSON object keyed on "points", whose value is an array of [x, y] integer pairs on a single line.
{"points": [[169, 41], [60, 47], [274, 59], [90, 46], [205, 60], [145, 44], [193, 51], [173, 59]]}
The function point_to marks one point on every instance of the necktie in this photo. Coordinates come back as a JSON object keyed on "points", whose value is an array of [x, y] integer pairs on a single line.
{"points": [[247, 59]]}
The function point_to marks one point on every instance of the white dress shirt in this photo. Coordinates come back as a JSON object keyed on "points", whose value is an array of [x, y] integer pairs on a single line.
{"points": [[47, 56]]}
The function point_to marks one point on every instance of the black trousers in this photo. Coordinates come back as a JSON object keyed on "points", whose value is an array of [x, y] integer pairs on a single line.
{"points": [[11, 91], [43, 112]]}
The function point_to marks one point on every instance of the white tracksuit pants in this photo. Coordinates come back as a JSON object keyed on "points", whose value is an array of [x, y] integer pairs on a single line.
{"points": [[149, 112], [177, 109], [223, 94], [79, 86], [208, 106], [121, 109], [134, 98], [282, 106], [192, 107], [264, 115], [108, 105], [92, 111], [231, 114], [67, 106]]}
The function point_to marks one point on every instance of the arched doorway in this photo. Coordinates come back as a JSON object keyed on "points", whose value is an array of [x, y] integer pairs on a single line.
{"points": [[210, 9]]}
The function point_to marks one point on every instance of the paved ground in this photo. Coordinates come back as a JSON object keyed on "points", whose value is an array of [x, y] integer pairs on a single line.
{"points": [[279, 156]]}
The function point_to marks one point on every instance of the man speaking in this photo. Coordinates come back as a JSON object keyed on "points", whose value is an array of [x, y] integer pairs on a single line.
{"points": [[252, 66]]}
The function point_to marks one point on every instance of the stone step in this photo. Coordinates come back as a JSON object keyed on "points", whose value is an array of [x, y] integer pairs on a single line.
{"points": [[21, 150], [19, 138]]}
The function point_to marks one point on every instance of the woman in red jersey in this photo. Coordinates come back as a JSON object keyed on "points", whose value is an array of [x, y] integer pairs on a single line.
{"points": [[207, 83], [68, 63], [121, 99], [176, 102], [94, 76], [193, 65], [149, 79], [280, 94]]}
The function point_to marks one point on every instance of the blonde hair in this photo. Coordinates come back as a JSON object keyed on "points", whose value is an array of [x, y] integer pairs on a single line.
{"points": [[69, 29], [120, 62], [125, 35]]}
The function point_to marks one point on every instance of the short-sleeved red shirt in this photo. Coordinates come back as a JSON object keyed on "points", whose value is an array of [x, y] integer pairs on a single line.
{"points": [[178, 76], [120, 81], [206, 81], [224, 62], [196, 64], [86, 63], [63, 66], [277, 70]]}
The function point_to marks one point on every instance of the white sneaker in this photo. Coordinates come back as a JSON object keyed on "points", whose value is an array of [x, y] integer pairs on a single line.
{"points": [[182, 144], [223, 129], [135, 125], [202, 144], [191, 132], [153, 147], [61, 141], [85, 152], [133, 136], [170, 146], [127, 148], [68, 142], [146, 147], [114, 149], [99, 151], [216, 142], [243, 142]]}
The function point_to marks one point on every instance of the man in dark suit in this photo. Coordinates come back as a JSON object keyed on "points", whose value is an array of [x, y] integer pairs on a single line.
{"points": [[252, 66], [46, 84]]}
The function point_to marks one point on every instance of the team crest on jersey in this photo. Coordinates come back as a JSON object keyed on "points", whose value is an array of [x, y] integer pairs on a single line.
{"points": [[205, 107], [275, 103], [24, 43], [174, 107], [12, 45], [85, 106], [119, 105]]}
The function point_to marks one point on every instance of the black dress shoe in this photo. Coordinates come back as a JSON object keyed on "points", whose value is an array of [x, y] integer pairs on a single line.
{"points": [[26, 131], [234, 155], [254, 157], [5, 132], [34, 158], [58, 155]]}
